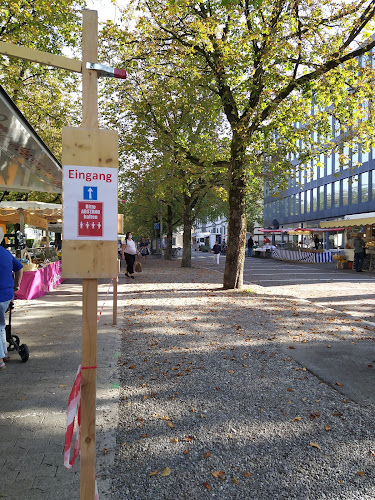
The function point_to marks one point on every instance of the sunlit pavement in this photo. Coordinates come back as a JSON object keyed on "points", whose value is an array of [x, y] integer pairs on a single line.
{"points": [[342, 290]]}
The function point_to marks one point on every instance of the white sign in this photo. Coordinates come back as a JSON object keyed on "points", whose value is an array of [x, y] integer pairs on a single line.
{"points": [[89, 203]]}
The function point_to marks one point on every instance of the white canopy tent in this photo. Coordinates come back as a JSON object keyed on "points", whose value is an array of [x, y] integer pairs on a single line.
{"points": [[26, 163]]}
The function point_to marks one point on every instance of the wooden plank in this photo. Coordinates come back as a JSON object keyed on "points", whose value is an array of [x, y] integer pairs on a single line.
{"points": [[88, 387], [38, 56], [35, 220], [89, 259], [90, 147], [89, 76], [120, 223]]}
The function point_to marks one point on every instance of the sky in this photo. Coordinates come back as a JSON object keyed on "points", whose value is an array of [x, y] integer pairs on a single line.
{"points": [[106, 9]]}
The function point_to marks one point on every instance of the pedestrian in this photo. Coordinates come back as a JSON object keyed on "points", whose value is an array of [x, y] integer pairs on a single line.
{"points": [[143, 246], [316, 242], [8, 266], [216, 249], [266, 240], [250, 244], [129, 251], [359, 252]]}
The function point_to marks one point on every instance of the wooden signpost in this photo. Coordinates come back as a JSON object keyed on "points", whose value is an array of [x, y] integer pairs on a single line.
{"points": [[90, 231]]}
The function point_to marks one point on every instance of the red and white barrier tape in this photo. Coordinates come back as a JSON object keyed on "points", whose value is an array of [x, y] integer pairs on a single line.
{"points": [[74, 409], [101, 310]]}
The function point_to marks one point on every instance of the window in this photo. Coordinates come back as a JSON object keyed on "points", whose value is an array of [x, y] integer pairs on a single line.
{"points": [[365, 156], [308, 194], [346, 157], [321, 198], [329, 195], [330, 168], [354, 185], [314, 200], [345, 192], [315, 169], [336, 194], [364, 186], [373, 183], [336, 163], [292, 200], [302, 202], [355, 156]]}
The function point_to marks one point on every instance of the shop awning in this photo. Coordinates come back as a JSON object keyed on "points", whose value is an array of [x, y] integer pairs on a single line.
{"points": [[33, 213], [26, 164], [201, 235], [348, 222]]}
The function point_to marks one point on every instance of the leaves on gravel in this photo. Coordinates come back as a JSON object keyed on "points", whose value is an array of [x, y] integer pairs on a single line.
{"points": [[218, 474], [315, 445], [166, 472]]}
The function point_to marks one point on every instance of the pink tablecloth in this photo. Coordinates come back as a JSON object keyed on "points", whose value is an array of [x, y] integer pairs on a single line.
{"points": [[35, 284]]}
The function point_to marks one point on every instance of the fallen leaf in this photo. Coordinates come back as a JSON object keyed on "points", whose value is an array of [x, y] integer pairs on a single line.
{"points": [[327, 427], [337, 414], [339, 384], [170, 425], [105, 451], [235, 480], [360, 473], [154, 473], [291, 347], [218, 473], [132, 367], [207, 485], [314, 445], [63, 385], [188, 438], [186, 451], [166, 472], [296, 419], [372, 453], [124, 443], [174, 440], [145, 435], [165, 418], [207, 454], [231, 371], [290, 390]]}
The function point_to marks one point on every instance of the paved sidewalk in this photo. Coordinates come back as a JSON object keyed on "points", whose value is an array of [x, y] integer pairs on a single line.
{"points": [[35, 394]]}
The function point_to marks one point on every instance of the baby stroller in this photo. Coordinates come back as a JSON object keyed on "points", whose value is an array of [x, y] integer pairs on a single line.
{"points": [[14, 340]]}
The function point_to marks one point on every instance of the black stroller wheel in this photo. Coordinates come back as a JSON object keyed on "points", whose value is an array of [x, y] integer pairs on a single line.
{"points": [[24, 353]]}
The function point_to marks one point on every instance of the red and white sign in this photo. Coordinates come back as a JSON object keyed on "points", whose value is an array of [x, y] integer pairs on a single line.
{"points": [[90, 219], [90, 197]]}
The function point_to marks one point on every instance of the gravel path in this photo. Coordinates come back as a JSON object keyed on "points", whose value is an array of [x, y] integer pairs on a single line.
{"points": [[212, 408]]}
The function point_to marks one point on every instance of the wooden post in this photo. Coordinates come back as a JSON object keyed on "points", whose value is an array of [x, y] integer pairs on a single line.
{"points": [[89, 286]]}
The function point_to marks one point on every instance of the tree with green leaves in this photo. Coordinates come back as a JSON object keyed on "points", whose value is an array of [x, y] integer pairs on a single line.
{"points": [[261, 65], [46, 96]]}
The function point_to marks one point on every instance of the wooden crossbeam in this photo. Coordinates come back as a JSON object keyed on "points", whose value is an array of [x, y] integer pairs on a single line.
{"points": [[38, 56]]}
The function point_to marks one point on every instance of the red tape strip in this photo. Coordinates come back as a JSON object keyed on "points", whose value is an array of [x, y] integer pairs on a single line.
{"points": [[88, 367]]}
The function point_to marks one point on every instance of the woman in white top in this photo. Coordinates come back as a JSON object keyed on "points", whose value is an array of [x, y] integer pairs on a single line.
{"points": [[129, 251]]}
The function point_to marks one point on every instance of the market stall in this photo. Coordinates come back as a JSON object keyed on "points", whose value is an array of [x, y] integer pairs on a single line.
{"points": [[42, 267], [353, 226]]}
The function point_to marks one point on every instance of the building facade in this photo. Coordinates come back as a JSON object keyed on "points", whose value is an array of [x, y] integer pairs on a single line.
{"points": [[325, 191]]}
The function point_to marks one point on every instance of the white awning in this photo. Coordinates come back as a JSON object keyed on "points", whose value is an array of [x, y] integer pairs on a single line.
{"points": [[33, 213], [26, 164], [362, 221]]}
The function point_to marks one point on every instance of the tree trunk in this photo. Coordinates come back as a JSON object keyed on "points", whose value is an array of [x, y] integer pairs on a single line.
{"points": [[234, 262], [168, 247], [186, 251]]}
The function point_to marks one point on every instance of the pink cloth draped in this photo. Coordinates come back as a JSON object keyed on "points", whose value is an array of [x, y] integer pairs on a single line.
{"points": [[35, 284]]}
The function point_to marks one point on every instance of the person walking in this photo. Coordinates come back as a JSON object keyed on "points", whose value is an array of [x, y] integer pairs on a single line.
{"points": [[143, 246], [8, 266], [359, 252], [216, 249], [129, 251], [250, 244]]}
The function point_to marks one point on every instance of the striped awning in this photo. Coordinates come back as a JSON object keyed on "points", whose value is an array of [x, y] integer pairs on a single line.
{"points": [[364, 221]]}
